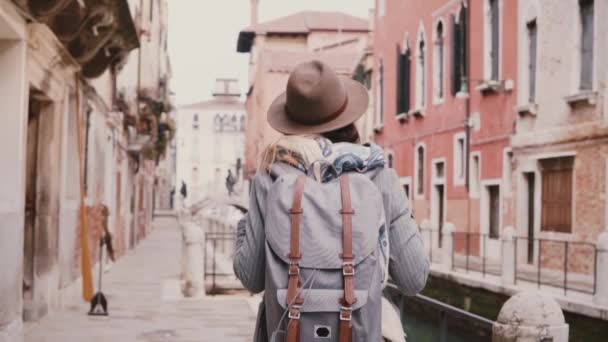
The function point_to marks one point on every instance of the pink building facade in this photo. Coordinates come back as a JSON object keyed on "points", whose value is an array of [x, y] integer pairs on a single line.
{"points": [[444, 97]]}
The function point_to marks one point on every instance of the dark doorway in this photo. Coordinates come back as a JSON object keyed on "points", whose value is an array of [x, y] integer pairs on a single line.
{"points": [[31, 181], [530, 182]]}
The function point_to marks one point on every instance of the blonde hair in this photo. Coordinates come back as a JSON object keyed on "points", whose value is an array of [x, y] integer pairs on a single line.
{"points": [[304, 145]]}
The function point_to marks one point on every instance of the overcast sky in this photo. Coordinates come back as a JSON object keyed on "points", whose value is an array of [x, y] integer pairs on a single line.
{"points": [[203, 35]]}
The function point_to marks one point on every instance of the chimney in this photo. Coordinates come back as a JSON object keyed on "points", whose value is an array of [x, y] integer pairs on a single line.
{"points": [[254, 11]]}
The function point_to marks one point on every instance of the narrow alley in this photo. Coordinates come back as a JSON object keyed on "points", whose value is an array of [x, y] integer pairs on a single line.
{"points": [[145, 303]]}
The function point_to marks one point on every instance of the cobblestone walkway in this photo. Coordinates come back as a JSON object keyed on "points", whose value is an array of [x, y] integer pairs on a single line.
{"points": [[144, 303]]}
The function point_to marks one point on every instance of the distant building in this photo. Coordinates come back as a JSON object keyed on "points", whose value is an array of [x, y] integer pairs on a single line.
{"points": [[559, 144], [108, 62], [211, 141], [277, 46]]}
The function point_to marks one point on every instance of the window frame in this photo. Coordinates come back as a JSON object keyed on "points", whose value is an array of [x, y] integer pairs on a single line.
{"points": [[404, 79], [459, 157], [420, 183], [439, 62], [421, 83], [475, 179], [488, 41], [531, 77], [579, 49]]}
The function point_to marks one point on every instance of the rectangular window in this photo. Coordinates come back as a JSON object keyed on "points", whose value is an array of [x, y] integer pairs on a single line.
{"points": [[587, 37], [403, 81], [475, 174], [380, 97], [438, 70], [420, 170], [494, 210], [459, 51], [556, 204], [532, 45], [495, 39], [462, 161], [440, 170]]}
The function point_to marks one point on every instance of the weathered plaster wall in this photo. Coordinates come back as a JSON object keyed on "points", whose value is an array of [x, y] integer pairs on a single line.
{"points": [[13, 92]]}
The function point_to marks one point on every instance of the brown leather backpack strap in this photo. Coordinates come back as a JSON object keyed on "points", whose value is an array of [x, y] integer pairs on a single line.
{"points": [[294, 280], [348, 266]]}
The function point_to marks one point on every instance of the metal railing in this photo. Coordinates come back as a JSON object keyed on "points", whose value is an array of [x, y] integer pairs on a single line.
{"points": [[541, 261], [479, 261], [549, 271], [439, 321], [216, 241]]}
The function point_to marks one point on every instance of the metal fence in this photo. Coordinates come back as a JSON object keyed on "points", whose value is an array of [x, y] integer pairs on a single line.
{"points": [[566, 265], [540, 262]]}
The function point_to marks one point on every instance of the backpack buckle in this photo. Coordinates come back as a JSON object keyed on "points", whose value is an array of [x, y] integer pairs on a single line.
{"points": [[348, 268], [294, 269], [294, 312], [346, 313]]}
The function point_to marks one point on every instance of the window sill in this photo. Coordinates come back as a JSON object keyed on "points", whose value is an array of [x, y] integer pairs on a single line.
{"points": [[585, 97], [378, 129], [438, 101], [462, 95], [417, 112], [487, 87], [529, 109], [403, 117]]}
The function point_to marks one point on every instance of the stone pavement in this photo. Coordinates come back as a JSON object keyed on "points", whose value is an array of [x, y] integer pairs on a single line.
{"points": [[145, 303]]}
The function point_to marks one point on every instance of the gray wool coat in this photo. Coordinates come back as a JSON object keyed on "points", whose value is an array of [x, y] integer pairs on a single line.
{"points": [[408, 267]]}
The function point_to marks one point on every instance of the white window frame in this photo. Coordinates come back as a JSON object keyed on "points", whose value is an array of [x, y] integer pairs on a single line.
{"points": [[487, 46], [459, 157], [417, 195], [437, 85], [421, 88], [475, 191], [576, 70]]}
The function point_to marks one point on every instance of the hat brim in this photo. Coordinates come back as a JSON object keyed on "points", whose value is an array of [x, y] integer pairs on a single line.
{"points": [[358, 101]]}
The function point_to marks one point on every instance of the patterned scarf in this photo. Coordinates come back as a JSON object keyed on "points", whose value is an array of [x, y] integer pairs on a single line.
{"points": [[332, 160]]}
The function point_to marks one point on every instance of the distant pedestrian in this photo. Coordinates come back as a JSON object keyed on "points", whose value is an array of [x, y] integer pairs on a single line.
{"points": [[324, 211], [184, 190], [230, 182]]}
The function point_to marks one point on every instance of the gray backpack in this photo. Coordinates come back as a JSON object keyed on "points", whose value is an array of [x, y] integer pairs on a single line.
{"points": [[326, 259]]}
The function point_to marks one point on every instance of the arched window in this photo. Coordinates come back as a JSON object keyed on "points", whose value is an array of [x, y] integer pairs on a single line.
{"points": [[438, 69], [404, 79], [459, 51], [195, 122], [421, 73], [390, 160], [217, 123], [420, 169]]}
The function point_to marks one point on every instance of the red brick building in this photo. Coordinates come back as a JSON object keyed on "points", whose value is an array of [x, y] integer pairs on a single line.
{"points": [[444, 97]]}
